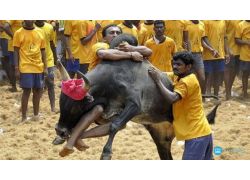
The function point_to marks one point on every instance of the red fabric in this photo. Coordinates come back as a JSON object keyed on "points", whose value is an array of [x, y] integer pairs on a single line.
{"points": [[74, 88]]}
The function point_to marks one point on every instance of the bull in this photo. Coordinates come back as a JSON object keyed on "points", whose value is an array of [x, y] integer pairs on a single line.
{"points": [[127, 92]]}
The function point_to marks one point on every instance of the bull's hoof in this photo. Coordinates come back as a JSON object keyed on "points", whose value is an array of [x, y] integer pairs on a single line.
{"points": [[106, 157], [58, 140]]}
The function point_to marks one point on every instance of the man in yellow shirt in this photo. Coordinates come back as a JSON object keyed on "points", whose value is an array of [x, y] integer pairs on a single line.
{"points": [[177, 30], [101, 50], [216, 57], [232, 68], [88, 37], [10, 27], [50, 50], [242, 38], [196, 34], [163, 48], [4, 38], [29, 52], [190, 123]]}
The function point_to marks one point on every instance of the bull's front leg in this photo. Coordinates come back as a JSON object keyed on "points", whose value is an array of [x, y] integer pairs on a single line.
{"points": [[131, 109]]}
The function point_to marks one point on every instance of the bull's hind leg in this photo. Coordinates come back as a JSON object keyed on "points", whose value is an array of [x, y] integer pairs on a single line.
{"points": [[162, 135], [131, 109]]}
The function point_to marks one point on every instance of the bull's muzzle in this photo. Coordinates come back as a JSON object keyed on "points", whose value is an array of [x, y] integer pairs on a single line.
{"points": [[62, 132]]}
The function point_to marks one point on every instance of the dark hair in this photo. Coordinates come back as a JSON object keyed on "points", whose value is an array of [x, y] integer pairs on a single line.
{"points": [[185, 56], [104, 31], [130, 39], [159, 22]]}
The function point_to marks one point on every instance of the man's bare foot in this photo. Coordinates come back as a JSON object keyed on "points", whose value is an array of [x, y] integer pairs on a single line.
{"points": [[80, 145], [66, 151]]}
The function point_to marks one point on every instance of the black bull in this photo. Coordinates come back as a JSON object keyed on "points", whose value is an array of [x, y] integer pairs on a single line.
{"points": [[127, 91], [125, 88]]}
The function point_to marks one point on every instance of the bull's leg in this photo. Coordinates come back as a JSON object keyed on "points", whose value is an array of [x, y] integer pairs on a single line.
{"points": [[130, 110], [162, 135]]}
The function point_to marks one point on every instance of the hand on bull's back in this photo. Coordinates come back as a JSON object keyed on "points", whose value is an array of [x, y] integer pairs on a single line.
{"points": [[154, 74]]}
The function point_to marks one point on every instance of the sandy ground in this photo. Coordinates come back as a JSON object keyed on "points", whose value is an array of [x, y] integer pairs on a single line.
{"points": [[32, 139]]}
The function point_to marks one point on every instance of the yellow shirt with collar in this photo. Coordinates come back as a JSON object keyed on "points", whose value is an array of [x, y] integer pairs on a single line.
{"points": [[243, 32], [94, 59], [174, 30], [30, 43], [195, 33], [189, 117], [215, 32], [162, 53], [231, 26], [47, 32]]}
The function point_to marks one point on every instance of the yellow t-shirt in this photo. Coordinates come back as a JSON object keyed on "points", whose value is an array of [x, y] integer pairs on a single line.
{"points": [[118, 22], [3, 34], [47, 32], [84, 28], [162, 53], [230, 32], [94, 60], [195, 33], [215, 32], [15, 25], [103, 24], [70, 29], [243, 32], [189, 118], [127, 30], [174, 30], [30, 43]]}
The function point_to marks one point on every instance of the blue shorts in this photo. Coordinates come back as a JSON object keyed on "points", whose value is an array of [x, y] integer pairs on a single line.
{"points": [[245, 65], [214, 65], [72, 66], [199, 148], [32, 80], [4, 46], [84, 68], [11, 58]]}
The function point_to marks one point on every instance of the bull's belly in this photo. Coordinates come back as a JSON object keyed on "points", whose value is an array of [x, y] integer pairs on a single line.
{"points": [[148, 119]]}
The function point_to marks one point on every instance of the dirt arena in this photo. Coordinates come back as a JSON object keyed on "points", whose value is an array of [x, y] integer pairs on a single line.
{"points": [[32, 140]]}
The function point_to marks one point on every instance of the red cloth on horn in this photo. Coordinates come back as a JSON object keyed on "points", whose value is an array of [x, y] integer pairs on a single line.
{"points": [[74, 88]]}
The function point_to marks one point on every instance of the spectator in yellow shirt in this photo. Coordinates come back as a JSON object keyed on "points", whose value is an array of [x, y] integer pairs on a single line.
{"points": [[29, 52], [101, 50], [232, 68], [242, 38], [163, 48], [190, 123]]}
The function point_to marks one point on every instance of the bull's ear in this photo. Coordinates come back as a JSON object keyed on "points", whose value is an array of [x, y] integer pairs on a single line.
{"points": [[85, 79], [63, 72]]}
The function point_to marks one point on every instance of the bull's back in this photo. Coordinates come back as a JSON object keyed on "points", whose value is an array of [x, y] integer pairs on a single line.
{"points": [[120, 79]]}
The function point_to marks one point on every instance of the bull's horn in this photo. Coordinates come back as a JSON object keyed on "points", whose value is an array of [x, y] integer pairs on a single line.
{"points": [[85, 80], [63, 72]]}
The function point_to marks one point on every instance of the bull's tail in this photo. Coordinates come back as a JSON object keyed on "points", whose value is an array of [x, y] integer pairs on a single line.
{"points": [[211, 115]]}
